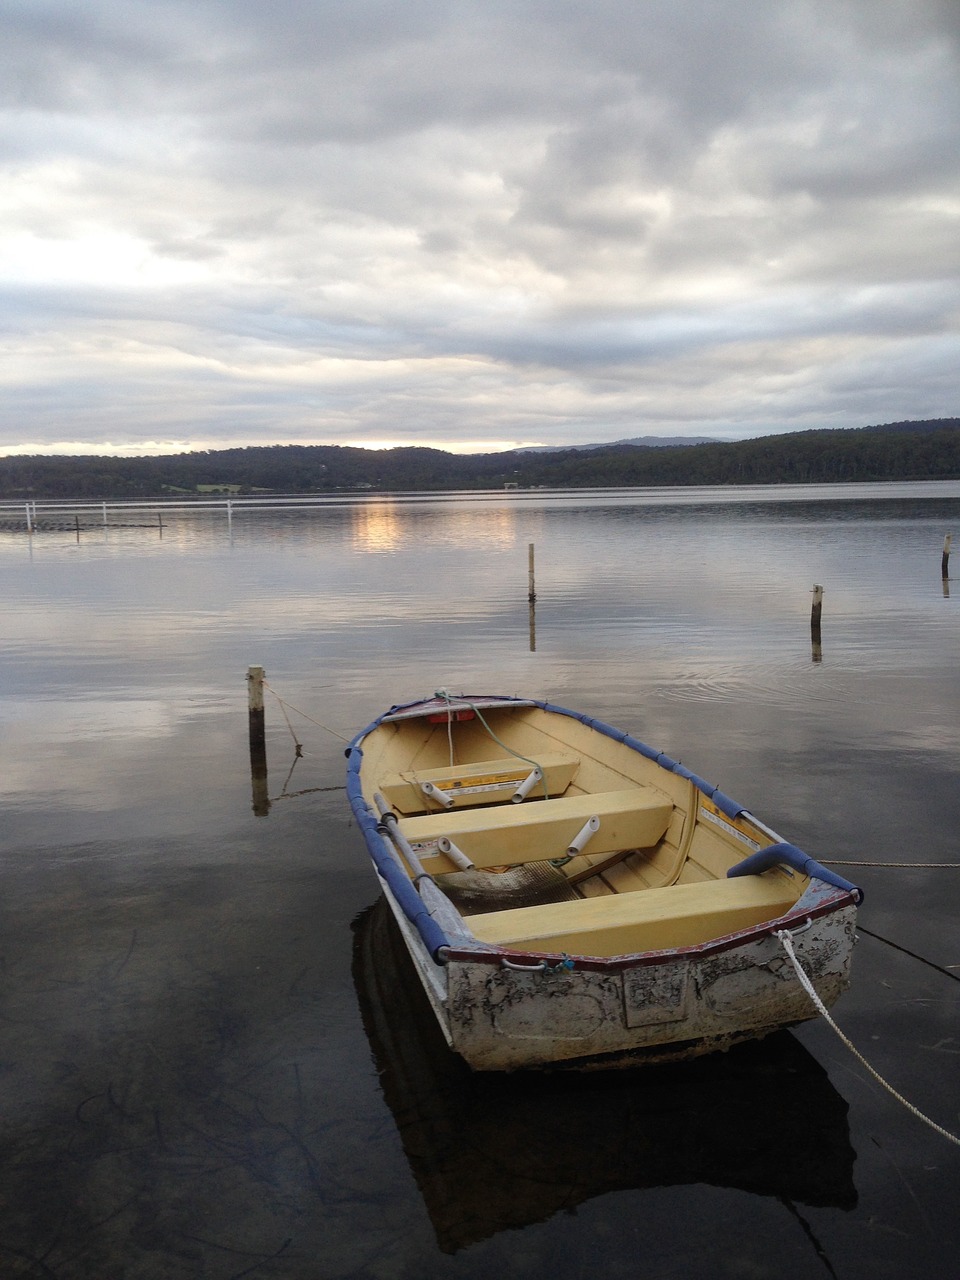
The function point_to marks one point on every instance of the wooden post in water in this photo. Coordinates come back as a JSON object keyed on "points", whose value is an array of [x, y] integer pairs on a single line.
{"points": [[160, 522], [531, 577], [77, 519], [815, 612], [945, 561], [29, 521], [258, 741]]}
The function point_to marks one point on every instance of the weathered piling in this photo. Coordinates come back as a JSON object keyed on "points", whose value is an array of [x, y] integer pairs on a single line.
{"points": [[815, 612], [258, 741], [531, 575], [945, 560]]}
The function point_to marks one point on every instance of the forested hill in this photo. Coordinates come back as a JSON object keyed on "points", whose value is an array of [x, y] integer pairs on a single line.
{"points": [[927, 450]]}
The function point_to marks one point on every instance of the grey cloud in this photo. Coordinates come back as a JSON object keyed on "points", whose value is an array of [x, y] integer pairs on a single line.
{"points": [[660, 205]]}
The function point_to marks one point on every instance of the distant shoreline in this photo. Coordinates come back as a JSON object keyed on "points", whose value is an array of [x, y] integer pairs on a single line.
{"points": [[922, 451]]}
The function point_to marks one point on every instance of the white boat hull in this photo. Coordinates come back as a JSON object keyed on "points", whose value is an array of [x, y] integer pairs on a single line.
{"points": [[679, 1007]]}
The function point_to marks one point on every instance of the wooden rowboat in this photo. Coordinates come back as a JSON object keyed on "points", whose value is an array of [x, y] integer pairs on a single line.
{"points": [[571, 896]]}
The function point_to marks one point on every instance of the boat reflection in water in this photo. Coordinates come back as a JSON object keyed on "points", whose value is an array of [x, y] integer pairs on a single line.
{"points": [[491, 1151]]}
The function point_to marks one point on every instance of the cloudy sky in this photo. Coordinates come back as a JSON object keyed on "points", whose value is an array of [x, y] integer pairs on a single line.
{"points": [[474, 223]]}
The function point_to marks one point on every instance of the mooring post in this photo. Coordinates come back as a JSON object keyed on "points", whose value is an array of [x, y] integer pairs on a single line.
{"points": [[531, 576], [77, 519], [817, 609], [160, 522], [29, 521], [258, 741], [815, 612], [945, 561]]}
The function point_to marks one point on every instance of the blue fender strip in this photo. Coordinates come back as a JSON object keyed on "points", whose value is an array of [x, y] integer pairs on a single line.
{"points": [[728, 807], [400, 884], [775, 854]]}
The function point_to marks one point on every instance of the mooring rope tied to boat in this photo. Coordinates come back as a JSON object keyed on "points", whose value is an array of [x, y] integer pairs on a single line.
{"points": [[785, 938], [450, 698], [897, 946], [838, 862], [283, 707]]}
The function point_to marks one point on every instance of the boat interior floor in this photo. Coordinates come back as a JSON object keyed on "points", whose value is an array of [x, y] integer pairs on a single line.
{"points": [[527, 885]]}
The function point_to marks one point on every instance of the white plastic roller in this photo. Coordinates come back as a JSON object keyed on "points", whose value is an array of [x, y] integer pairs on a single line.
{"points": [[587, 831], [456, 856], [435, 793], [527, 785]]}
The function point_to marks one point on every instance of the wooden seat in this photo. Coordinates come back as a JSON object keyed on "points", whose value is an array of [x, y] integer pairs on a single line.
{"points": [[482, 782], [680, 915], [635, 818]]}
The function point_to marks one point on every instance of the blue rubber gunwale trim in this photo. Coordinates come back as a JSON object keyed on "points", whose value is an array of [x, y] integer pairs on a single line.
{"points": [[775, 854], [387, 864], [401, 886], [729, 808]]}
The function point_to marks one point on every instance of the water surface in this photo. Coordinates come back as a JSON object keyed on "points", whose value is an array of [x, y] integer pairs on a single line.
{"points": [[201, 1073]]}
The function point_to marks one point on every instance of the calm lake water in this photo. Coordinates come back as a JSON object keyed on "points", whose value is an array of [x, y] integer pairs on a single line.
{"points": [[210, 1065]]}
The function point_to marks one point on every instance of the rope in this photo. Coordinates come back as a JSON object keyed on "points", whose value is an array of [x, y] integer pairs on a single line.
{"points": [[786, 941], [284, 704], [835, 862], [296, 741], [307, 791], [449, 699], [450, 731], [931, 964]]}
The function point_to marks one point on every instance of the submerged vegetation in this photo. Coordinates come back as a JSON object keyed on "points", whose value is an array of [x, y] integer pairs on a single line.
{"points": [[927, 450]]}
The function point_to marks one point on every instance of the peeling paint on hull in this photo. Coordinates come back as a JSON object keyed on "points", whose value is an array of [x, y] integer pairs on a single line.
{"points": [[502, 1020]]}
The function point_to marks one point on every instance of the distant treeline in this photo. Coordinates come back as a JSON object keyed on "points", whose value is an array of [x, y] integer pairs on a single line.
{"points": [[928, 450]]}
